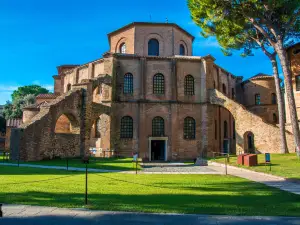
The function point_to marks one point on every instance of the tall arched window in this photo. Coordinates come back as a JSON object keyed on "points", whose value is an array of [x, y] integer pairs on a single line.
{"points": [[158, 84], [189, 85], [68, 87], [225, 129], [274, 118], [274, 100], [181, 49], [126, 127], [128, 83], [189, 129], [224, 88], [123, 48], [257, 99], [158, 127], [153, 47], [98, 128]]}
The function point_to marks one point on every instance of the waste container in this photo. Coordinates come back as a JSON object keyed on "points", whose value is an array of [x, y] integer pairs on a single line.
{"points": [[250, 160], [240, 159]]}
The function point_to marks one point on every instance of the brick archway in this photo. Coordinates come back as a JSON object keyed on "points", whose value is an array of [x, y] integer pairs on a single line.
{"points": [[267, 136]]}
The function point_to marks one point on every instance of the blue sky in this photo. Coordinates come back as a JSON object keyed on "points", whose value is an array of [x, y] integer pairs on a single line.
{"points": [[36, 36]]}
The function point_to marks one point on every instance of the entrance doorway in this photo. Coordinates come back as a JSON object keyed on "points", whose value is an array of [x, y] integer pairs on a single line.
{"points": [[225, 146], [157, 149]]}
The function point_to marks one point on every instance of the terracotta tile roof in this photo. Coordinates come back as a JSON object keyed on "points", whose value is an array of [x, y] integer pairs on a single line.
{"points": [[259, 76], [49, 96], [13, 122], [36, 105]]}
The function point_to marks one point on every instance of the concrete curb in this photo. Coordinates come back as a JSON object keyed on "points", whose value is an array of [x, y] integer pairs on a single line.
{"points": [[246, 170]]}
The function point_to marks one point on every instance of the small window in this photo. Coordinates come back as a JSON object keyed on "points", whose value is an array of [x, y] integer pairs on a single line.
{"points": [[153, 47], [224, 89], [257, 99], [233, 127], [189, 85], [297, 83], [158, 84], [126, 127], [123, 48], [225, 129], [233, 93], [274, 100], [128, 84], [274, 118], [98, 128], [181, 49], [68, 87], [158, 127], [189, 129]]}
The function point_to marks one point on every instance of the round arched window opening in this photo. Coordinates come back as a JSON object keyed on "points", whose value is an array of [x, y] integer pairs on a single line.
{"points": [[181, 49], [153, 47], [123, 48]]}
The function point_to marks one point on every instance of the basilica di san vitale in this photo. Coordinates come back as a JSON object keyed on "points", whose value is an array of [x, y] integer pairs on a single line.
{"points": [[149, 94]]}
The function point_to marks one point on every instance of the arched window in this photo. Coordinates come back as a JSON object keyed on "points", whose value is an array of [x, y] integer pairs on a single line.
{"points": [[274, 100], [158, 84], [126, 127], [158, 127], [189, 129], [257, 99], [225, 129], [123, 48], [224, 88], [274, 118], [128, 83], [98, 128], [68, 87], [153, 47], [181, 49], [189, 85]]}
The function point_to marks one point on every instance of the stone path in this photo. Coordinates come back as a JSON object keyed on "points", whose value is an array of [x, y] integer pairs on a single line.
{"points": [[267, 179], [38, 215], [190, 169]]}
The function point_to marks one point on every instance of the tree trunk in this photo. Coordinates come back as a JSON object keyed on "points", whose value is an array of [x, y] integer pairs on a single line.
{"points": [[283, 143], [281, 52]]}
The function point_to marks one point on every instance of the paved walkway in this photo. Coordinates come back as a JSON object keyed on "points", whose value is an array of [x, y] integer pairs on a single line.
{"points": [[37, 215], [267, 179], [189, 169]]}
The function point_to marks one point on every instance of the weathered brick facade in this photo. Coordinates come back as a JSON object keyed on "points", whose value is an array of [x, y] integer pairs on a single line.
{"points": [[94, 100]]}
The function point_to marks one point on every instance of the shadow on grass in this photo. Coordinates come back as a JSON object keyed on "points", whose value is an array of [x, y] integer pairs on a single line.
{"points": [[208, 203]]}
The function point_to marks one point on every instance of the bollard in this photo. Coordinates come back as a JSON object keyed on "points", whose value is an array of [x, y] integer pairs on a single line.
{"points": [[1, 213]]}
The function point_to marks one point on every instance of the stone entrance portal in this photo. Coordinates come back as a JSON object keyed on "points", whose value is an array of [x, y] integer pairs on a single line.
{"points": [[158, 148]]}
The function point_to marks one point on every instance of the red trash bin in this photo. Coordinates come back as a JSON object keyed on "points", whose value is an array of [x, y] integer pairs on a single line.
{"points": [[240, 159], [250, 160]]}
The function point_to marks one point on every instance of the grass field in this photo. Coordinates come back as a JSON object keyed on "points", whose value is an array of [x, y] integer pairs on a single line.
{"points": [[203, 194], [285, 165], [97, 163]]}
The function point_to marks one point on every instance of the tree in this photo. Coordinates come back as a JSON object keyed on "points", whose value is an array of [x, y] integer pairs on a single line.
{"points": [[26, 90], [22, 97], [251, 24]]}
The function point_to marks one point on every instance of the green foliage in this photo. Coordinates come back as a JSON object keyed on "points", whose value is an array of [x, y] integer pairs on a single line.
{"points": [[27, 90], [238, 24], [22, 97]]}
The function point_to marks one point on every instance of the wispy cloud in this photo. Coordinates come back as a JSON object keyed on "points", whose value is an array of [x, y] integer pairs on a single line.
{"points": [[207, 43]]}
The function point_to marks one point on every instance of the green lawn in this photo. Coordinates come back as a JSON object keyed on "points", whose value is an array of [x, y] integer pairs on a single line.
{"points": [[285, 165], [97, 163], [203, 194]]}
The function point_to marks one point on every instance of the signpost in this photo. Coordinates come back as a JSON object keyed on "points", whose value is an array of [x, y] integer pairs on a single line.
{"points": [[135, 159], [268, 159]]}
